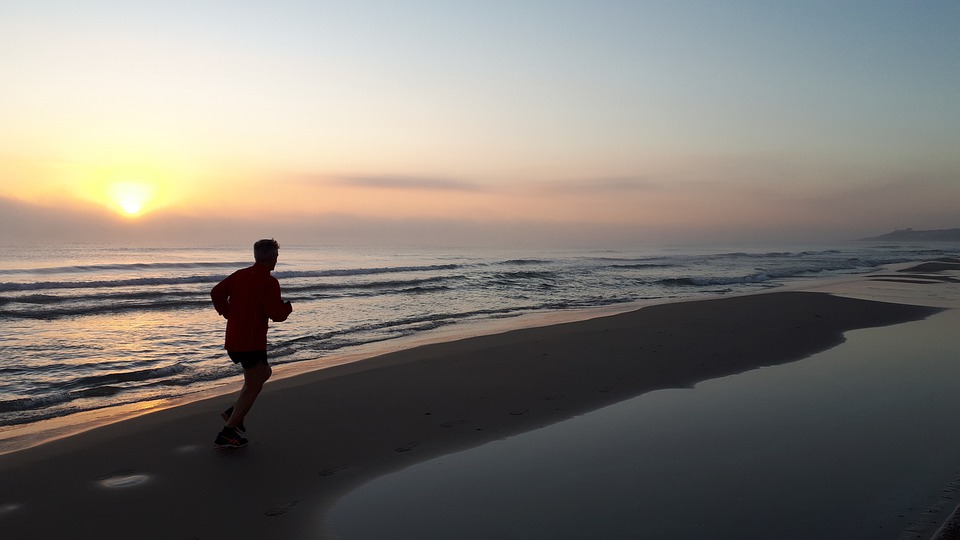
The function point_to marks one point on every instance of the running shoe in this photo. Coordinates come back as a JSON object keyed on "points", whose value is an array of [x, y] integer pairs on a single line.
{"points": [[226, 418], [229, 438]]}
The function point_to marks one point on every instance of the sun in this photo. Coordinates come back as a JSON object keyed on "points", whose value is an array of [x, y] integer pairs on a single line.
{"points": [[131, 198], [129, 188]]}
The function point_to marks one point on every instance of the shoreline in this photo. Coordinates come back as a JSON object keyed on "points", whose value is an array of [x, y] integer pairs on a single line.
{"points": [[18, 437], [318, 434]]}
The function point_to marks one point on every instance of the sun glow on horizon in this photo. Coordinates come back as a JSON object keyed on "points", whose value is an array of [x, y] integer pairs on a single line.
{"points": [[131, 190], [131, 198]]}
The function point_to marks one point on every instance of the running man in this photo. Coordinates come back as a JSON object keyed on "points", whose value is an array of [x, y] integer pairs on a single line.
{"points": [[247, 299]]}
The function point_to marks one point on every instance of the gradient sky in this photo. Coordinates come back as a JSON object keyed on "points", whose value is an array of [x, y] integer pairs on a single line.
{"points": [[594, 122]]}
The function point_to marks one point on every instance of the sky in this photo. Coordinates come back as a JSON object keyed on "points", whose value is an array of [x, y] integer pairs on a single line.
{"points": [[601, 123]]}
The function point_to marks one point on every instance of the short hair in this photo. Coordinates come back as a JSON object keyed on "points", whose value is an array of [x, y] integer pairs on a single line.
{"points": [[265, 250]]}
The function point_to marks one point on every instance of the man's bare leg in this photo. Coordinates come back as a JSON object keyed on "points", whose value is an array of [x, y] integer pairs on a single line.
{"points": [[253, 380]]}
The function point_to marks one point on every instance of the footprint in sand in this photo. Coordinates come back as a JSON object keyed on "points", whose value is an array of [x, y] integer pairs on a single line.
{"points": [[407, 448], [333, 470], [280, 510]]}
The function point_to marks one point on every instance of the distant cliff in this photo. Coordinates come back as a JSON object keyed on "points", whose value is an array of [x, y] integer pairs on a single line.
{"points": [[910, 235]]}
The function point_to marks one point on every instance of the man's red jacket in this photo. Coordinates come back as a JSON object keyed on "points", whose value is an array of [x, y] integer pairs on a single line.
{"points": [[247, 299]]}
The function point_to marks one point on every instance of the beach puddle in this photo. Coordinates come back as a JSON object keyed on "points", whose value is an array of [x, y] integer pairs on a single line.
{"points": [[9, 508], [123, 479], [855, 442], [187, 449]]}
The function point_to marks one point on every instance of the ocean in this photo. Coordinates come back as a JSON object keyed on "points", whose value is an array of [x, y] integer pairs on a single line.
{"points": [[87, 327]]}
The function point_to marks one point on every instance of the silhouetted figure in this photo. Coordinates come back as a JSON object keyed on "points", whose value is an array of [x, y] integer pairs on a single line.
{"points": [[247, 299]]}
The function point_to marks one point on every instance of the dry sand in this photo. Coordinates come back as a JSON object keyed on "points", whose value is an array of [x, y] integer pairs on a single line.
{"points": [[316, 435]]}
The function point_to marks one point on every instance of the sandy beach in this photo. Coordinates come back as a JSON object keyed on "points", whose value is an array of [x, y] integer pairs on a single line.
{"points": [[317, 435]]}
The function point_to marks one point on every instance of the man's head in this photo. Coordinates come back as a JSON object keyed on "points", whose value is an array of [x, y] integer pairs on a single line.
{"points": [[265, 252]]}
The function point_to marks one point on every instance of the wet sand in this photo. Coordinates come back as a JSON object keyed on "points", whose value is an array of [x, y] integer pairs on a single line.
{"points": [[317, 435]]}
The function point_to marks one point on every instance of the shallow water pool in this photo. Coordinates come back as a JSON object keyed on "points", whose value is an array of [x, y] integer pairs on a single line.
{"points": [[861, 441]]}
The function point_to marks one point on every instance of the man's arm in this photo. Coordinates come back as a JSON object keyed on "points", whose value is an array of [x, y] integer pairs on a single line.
{"points": [[221, 298], [276, 308]]}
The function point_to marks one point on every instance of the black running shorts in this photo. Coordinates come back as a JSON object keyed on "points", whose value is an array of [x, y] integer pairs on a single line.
{"points": [[248, 359]]}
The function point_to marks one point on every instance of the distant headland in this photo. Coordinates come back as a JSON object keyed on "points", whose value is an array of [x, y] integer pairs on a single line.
{"points": [[910, 235]]}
